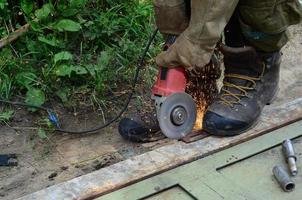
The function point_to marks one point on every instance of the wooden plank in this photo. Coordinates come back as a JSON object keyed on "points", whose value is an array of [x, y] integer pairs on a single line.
{"points": [[135, 169]]}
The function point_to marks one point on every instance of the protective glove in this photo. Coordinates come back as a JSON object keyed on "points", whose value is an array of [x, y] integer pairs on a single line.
{"points": [[194, 47]]}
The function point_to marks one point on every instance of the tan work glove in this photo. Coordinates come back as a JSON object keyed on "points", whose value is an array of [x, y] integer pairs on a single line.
{"points": [[194, 47]]}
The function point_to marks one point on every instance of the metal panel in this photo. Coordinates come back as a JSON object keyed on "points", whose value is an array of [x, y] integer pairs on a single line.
{"points": [[255, 174], [241, 172], [173, 193]]}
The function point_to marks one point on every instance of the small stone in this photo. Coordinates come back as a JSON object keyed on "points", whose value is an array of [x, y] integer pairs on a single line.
{"points": [[64, 168], [52, 175]]}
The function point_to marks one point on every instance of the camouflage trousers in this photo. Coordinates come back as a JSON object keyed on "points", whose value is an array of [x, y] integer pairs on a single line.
{"points": [[264, 23], [260, 23]]}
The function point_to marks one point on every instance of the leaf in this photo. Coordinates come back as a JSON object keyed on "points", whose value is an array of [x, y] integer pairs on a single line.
{"points": [[6, 116], [27, 6], [5, 55], [3, 4], [91, 69], [52, 41], [64, 55], [35, 97], [63, 94], [66, 70], [45, 11], [67, 25], [104, 59], [25, 79], [5, 86], [70, 12], [79, 70], [42, 134], [77, 3], [35, 26], [63, 70]]}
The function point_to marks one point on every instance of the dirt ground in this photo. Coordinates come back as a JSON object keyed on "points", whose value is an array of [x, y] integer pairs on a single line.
{"points": [[63, 156]]}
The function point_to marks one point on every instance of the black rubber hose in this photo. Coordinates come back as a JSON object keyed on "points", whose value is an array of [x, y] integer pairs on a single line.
{"points": [[97, 128]]}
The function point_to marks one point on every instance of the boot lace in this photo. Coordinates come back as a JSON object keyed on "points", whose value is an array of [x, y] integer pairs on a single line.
{"points": [[243, 89]]}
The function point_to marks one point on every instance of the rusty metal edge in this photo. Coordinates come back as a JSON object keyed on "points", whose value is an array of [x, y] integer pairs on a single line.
{"points": [[165, 158]]}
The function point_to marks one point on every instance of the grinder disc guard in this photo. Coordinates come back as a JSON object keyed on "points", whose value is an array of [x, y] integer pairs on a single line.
{"points": [[177, 115]]}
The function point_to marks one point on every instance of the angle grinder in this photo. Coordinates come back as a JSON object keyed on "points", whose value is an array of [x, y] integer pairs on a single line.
{"points": [[176, 110]]}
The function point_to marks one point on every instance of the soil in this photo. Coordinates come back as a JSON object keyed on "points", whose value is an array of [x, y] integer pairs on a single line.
{"points": [[63, 156]]}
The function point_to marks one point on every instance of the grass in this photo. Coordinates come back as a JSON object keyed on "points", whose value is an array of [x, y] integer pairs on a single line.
{"points": [[75, 48]]}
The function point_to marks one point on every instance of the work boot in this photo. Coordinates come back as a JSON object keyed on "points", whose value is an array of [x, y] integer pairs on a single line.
{"points": [[141, 128], [251, 82]]}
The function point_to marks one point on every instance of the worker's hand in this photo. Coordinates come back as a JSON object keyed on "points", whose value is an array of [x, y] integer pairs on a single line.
{"points": [[185, 53]]}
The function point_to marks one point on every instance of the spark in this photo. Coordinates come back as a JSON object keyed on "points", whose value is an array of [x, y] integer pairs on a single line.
{"points": [[201, 109], [203, 89]]}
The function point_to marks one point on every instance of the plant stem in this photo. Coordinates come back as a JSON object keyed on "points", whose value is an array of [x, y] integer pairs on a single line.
{"points": [[14, 36]]}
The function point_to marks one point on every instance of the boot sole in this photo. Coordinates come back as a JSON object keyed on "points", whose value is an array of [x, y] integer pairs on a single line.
{"points": [[235, 133]]}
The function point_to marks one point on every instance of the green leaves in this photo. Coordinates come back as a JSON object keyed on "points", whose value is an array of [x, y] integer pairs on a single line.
{"points": [[42, 134], [27, 6], [5, 116], [63, 94], [72, 44], [5, 86], [79, 70], [35, 97], [77, 3], [67, 69], [26, 79], [63, 70], [52, 41], [67, 25], [62, 56], [3, 3], [105, 58], [45, 11]]}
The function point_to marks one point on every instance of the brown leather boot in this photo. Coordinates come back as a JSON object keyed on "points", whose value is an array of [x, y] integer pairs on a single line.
{"points": [[251, 82]]}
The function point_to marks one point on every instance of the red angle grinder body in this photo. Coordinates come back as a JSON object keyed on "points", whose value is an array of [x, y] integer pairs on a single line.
{"points": [[170, 81], [176, 110]]}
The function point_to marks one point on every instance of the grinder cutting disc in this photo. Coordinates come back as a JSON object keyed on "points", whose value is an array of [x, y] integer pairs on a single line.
{"points": [[177, 115]]}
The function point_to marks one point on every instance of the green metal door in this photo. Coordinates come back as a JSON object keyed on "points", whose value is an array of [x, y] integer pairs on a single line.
{"points": [[243, 172]]}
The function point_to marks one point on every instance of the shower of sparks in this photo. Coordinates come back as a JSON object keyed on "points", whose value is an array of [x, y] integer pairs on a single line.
{"points": [[201, 109], [203, 89]]}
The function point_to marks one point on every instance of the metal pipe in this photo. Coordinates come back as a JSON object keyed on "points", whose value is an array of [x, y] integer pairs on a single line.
{"points": [[283, 179], [291, 159]]}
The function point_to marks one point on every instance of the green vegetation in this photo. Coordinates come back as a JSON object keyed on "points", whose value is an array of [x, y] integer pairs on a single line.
{"points": [[88, 47], [5, 115]]}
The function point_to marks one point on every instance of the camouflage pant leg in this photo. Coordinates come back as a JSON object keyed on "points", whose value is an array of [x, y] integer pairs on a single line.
{"points": [[264, 23]]}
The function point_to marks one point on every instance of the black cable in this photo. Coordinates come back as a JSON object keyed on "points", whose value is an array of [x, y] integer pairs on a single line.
{"points": [[26, 105], [135, 80]]}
